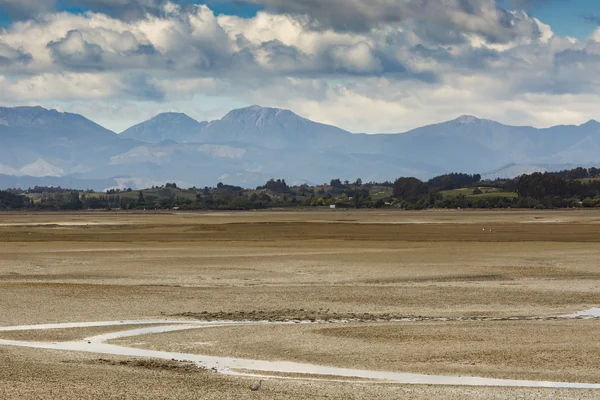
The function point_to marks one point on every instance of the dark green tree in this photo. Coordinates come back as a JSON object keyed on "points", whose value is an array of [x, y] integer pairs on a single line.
{"points": [[141, 199], [336, 183], [410, 189]]}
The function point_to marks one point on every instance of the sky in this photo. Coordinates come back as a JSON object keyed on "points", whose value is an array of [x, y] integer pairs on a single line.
{"points": [[375, 66]]}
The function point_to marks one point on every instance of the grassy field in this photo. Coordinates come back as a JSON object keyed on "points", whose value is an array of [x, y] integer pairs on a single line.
{"points": [[588, 180], [75, 267], [486, 192]]}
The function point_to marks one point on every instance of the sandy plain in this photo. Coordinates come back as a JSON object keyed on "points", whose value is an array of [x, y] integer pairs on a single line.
{"points": [[306, 265]]}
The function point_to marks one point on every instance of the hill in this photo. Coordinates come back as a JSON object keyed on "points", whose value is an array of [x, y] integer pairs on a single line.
{"points": [[250, 145], [167, 126], [33, 139]]}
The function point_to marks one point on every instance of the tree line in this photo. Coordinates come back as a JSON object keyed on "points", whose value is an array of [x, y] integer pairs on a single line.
{"points": [[579, 187]]}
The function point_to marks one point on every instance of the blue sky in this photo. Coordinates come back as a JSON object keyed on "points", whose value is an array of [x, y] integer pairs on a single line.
{"points": [[218, 6], [569, 17], [363, 65]]}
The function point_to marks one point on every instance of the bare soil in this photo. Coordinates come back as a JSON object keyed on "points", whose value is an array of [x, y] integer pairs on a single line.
{"points": [[31, 374], [65, 335], [315, 265], [546, 350]]}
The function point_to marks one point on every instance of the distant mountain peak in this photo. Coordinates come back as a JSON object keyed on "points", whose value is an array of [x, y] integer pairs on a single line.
{"points": [[6, 170], [467, 119], [169, 125], [32, 110], [591, 123], [170, 118], [50, 122], [256, 107], [171, 114], [260, 116], [255, 110], [470, 119], [41, 168]]}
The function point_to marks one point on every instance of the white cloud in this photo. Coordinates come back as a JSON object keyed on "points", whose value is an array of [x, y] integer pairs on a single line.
{"points": [[10, 56], [396, 72], [481, 17], [68, 86]]}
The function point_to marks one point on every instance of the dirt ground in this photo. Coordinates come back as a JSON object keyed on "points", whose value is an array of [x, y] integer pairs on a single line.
{"points": [[30, 374], [555, 350], [67, 267], [65, 335]]}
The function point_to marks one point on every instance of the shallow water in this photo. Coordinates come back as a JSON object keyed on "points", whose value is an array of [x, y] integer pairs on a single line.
{"points": [[70, 325], [592, 313], [232, 366]]}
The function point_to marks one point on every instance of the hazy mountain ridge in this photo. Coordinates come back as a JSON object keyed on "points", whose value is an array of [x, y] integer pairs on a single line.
{"points": [[41, 168], [10, 181], [250, 145], [173, 126], [66, 141]]}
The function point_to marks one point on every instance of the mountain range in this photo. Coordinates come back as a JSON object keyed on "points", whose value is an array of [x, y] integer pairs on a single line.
{"points": [[251, 145]]}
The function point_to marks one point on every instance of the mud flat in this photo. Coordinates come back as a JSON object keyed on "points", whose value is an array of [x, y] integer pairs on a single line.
{"points": [[248, 367], [463, 266]]}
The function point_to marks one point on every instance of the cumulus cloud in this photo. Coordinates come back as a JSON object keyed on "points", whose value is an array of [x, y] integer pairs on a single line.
{"points": [[10, 56], [123, 9], [141, 86], [45, 87], [22, 9], [397, 68], [191, 42], [442, 19], [102, 48], [74, 52], [482, 17]]}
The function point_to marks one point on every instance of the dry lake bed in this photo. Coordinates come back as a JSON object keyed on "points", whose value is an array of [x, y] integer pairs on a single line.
{"points": [[333, 304]]}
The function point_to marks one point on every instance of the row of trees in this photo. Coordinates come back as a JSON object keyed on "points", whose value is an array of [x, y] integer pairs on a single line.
{"points": [[413, 189], [539, 186], [13, 201], [572, 188], [579, 173], [453, 181], [537, 190]]}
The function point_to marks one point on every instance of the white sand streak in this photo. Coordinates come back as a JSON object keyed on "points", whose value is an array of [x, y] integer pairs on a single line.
{"points": [[233, 366]]}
